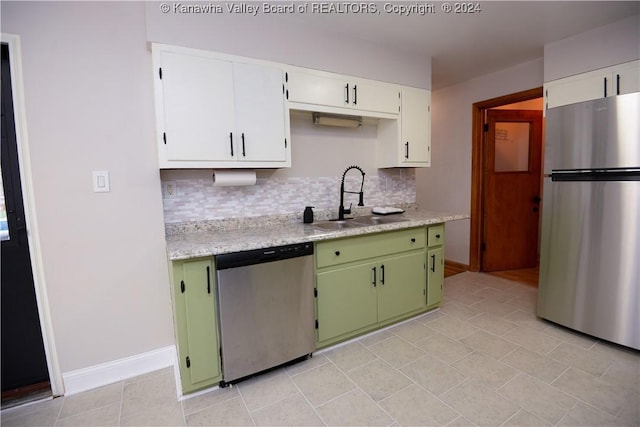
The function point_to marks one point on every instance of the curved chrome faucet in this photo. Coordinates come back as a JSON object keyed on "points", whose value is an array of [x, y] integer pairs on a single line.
{"points": [[341, 209]]}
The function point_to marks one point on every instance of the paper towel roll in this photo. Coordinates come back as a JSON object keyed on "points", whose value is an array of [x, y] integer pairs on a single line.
{"points": [[233, 177]]}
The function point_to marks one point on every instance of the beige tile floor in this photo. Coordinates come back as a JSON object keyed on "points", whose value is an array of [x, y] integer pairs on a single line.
{"points": [[484, 359]]}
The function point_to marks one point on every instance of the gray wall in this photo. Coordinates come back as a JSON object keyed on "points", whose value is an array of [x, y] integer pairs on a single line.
{"points": [[446, 185], [89, 106], [599, 48]]}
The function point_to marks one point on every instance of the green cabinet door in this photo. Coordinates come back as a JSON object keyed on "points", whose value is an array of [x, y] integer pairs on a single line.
{"points": [[346, 300], [435, 275], [196, 324], [404, 287]]}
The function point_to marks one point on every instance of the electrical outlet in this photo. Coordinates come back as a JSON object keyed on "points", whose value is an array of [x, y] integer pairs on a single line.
{"points": [[169, 189]]}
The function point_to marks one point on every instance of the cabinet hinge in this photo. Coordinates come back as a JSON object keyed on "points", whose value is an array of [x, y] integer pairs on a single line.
{"points": [[160, 72], [182, 286], [486, 127], [188, 362], [316, 323], [315, 292], [164, 137], [220, 352]]}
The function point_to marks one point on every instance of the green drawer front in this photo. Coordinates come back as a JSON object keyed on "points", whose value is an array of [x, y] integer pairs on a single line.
{"points": [[340, 251], [436, 235]]}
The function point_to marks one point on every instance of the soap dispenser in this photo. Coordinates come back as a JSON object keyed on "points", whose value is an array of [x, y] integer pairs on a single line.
{"points": [[307, 217]]}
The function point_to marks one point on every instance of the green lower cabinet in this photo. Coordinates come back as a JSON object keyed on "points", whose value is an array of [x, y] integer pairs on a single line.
{"points": [[364, 296], [196, 324], [403, 290], [347, 301], [435, 280]]}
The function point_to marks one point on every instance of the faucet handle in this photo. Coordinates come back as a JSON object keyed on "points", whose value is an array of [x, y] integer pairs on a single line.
{"points": [[348, 211]]}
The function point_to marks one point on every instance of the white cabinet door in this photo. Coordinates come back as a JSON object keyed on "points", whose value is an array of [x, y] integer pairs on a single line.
{"points": [[259, 113], [626, 78], [571, 90], [611, 81], [415, 143], [375, 96], [198, 107], [309, 88], [335, 90]]}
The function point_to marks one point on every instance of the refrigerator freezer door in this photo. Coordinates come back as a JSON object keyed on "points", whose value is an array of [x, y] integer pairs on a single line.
{"points": [[590, 251], [594, 134]]}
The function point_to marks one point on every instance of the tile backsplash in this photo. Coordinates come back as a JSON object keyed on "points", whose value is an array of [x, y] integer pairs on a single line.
{"points": [[196, 199]]}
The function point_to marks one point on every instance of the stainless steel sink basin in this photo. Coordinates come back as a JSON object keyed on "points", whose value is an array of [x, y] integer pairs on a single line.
{"points": [[377, 220], [361, 221], [337, 225]]}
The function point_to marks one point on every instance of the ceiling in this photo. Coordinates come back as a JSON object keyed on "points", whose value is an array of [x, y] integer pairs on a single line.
{"points": [[463, 46]]}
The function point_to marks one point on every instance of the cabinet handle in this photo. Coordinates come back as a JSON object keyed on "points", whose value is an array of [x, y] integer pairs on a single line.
{"points": [[413, 240], [617, 84], [374, 277], [406, 150], [337, 253], [208, 279], [437, 236], [355, 94], [605, 87], [231, 142], [347, 92], [433, 263], [244, 154], [382, 278]]}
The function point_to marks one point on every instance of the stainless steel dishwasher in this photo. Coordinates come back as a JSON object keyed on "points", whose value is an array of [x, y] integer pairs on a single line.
{"points": [[266, 308]]}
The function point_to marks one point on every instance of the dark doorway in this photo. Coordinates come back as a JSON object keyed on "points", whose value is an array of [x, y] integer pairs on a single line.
{"points": [[24, 365]]}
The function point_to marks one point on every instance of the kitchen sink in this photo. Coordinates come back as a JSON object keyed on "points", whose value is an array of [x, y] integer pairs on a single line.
{"points": [[377, 220], [361, 221], [337, 225]]}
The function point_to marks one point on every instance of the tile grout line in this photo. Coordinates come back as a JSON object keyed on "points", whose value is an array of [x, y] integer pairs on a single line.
{"points": [[246, 408], [121, 404], [304, 396]]}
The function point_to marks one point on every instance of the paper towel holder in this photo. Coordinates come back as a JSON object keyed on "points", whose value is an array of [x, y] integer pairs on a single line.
{"points": [[233, 177]]}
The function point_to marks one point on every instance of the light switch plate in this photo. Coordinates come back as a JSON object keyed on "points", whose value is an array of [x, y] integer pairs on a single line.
{"points": [[101, 182]]}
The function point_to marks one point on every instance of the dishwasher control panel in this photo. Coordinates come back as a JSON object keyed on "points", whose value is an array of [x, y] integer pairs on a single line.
{"points": [[259, 256]]}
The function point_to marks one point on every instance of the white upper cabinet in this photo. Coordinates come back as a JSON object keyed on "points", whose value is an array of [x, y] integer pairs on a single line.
{"points": [[416, 126], [261, 122], [610, 81], [215, 111], [312, 90], [407, 142]]}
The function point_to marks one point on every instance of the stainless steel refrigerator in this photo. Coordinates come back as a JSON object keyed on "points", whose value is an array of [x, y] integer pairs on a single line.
{"points": [[590, 238]]}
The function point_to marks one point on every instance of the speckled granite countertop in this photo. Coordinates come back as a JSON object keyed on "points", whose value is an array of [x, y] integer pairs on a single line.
{"points": [[194, 240]]}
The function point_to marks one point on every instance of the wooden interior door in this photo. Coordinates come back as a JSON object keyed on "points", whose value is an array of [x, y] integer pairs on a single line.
{"points": [[512, 180]]}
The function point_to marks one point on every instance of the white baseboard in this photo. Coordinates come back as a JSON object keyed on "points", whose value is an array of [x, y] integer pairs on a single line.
{"points": [[118, 370]]}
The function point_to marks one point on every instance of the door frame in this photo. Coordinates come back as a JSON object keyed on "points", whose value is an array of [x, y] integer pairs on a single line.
{"points": [[33, 235], [478, 144]]}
